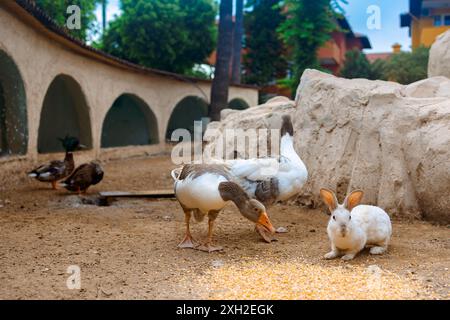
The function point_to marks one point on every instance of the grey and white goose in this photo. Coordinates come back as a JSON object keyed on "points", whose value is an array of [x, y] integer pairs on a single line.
{"points": [[271, 179], [205, 189]]}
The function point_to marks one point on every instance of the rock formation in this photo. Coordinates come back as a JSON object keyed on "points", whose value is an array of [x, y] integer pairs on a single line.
{"points": [[390, 140], [439, 61]]}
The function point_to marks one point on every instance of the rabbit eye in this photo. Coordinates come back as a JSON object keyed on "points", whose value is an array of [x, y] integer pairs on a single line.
{"points": [[349, 217], [334, 217]]}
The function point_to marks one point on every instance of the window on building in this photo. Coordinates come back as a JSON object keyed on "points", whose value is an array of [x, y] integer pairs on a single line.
{"points": [[437, 21], [447, 20]]}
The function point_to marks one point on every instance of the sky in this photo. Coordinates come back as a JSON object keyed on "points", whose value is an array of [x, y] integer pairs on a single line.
{"points": [[356, 12], [113, 9], [389, 32]]}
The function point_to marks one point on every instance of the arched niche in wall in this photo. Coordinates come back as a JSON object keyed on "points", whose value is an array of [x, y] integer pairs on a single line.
{"points": [[64, 112], [188, 110], [129, 122], [238, 104]]}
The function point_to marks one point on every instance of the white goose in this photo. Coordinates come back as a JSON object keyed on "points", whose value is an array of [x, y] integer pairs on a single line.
{"points": [[272, 179], [204, 189]]}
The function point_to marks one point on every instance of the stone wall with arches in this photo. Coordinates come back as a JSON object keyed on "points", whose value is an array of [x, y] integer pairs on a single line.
{"points": [[64, 87], [13, 109]]}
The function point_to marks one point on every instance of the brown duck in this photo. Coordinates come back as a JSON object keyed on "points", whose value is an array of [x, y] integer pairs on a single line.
{"points": [[58, 169], [83, 177]]}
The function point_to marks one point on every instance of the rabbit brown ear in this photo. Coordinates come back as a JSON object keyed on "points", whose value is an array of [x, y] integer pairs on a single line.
{"points": [[329, 198], [353, 199]]}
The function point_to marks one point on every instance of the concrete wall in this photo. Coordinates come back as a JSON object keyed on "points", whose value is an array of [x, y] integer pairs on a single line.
{"points": [[41, 56]]}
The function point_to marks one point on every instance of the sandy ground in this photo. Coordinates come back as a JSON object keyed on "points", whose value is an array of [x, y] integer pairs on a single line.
{"points": [[129, 250]]}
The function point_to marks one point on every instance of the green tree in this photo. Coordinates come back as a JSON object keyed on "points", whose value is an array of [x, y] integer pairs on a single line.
{"points": [[112, 41], [408, 67], [356, 65], [307, 27], [264, 60], [57, 10], [378, 70], [171, 35]]}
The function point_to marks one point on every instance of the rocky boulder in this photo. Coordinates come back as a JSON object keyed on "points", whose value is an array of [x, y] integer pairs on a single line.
{"points": [[265, 116], [439, 61], [390, 140]]}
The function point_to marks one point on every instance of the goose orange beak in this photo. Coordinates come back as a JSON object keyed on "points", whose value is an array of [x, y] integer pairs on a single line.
{"points": [[265, 222]]}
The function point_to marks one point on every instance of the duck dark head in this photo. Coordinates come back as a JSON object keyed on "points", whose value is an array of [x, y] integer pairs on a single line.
{"points": [[71, 144]]}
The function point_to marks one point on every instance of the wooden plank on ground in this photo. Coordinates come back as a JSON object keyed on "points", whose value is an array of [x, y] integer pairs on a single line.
{"points": [[139, 194]]}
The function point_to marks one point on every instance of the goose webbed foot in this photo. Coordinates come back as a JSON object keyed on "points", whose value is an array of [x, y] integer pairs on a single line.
{"points": [[188, 242], [209, 247]]}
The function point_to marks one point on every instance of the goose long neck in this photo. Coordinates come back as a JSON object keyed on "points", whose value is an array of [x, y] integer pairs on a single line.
{"points": [[286, 142], [230, 191], [287, 148]]}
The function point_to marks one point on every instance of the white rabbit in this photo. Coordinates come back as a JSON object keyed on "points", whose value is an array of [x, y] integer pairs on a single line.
{"points": [[353, 227]]}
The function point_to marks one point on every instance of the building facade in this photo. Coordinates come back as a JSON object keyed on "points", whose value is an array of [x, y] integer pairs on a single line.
{"points": [[426, 20], [332, 54]]}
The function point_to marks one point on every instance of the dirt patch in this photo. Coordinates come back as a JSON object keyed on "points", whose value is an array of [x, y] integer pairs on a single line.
{"points": [[128, 250]]}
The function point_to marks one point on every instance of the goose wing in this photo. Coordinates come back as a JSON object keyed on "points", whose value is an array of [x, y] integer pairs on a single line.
{"points": [[258, 169], [196, 170]]}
